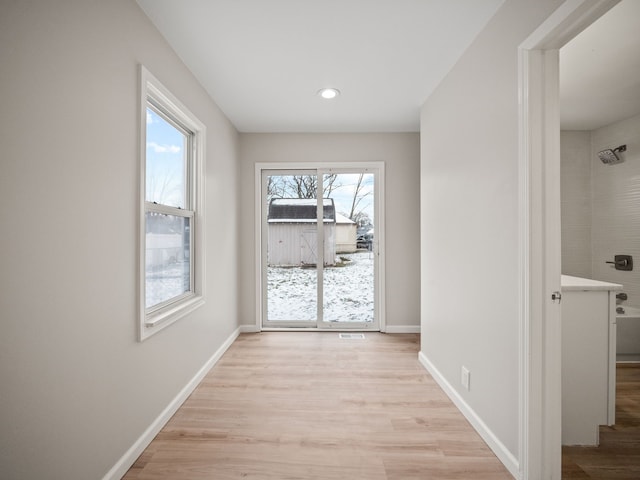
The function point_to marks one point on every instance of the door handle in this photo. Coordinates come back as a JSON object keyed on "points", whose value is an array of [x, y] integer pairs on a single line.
{"points": [[556, 296]]}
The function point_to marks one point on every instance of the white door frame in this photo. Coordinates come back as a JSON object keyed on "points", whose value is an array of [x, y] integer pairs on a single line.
{"points": [[379, 244], [539, 236]]}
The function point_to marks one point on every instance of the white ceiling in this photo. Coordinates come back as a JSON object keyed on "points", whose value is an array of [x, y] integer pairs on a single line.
{"points": [[600, 71], [263, 61]]}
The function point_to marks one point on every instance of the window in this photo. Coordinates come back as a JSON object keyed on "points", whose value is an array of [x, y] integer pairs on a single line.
{"points": [[171, 215]]}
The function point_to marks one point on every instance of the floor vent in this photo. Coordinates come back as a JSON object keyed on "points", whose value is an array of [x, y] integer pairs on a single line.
{"points": [[352, 336]]}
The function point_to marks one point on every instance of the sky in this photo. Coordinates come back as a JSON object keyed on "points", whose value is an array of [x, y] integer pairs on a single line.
{"points": [[166, 173], [165, 162], [343, 192], [343, 195]]}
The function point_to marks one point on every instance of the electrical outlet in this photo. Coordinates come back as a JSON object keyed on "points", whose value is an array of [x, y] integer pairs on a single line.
{"points": [[465, 378]]}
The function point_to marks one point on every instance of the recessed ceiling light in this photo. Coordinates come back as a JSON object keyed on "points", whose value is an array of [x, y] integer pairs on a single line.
{"points": [[329, 93]]}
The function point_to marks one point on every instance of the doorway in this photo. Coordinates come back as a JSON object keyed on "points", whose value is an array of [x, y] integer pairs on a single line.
{"points": [[540, 351], [596, 117], [321, 247]]}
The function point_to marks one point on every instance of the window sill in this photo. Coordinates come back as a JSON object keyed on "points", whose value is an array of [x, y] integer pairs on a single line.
{"points": [[157, 321]]}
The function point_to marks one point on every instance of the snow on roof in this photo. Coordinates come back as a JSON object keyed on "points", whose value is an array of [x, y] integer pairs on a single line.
{"points": [[342, 219], [298, 220], [300, 201], [288, 210]]}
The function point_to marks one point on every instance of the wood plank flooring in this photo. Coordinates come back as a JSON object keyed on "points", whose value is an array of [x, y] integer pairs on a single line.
{"points": [[618, 456], [308, 405]]}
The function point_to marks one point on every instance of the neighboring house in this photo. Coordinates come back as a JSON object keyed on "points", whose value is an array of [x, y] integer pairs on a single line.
{"points": [[345, 234], [293, 232], [166, 241]]}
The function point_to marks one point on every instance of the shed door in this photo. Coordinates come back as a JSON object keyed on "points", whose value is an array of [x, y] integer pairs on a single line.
{"points": [[309, 247]]}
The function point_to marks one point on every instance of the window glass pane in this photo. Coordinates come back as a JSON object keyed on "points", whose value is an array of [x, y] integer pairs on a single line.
{"points": [[166, 162], [292, 248], [349, 284], [168, 251]]}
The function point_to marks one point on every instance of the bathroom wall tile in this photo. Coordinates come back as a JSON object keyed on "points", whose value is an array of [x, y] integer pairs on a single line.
{"points": [[615, 194], [575, 177]]}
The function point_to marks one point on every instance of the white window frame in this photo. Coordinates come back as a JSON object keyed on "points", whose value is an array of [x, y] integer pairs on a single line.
{"points": [[156, 318]]}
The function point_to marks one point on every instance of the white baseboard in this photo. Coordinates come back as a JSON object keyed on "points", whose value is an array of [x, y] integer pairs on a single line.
{"points": [[502, 452], [129, 458], [402, 329], [249, 329], [389, 329]]}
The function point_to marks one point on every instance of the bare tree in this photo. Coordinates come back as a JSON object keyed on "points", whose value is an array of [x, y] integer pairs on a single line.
{"points": [[275, 187], [305, 186], [362, 218], [358, 196], [329, 184], [164, 186], [300, 186]]}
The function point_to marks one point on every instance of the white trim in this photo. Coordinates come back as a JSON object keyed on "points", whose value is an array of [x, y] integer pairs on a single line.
{"points": [[403, 329], [320, 247], [525, 410], [332, 328], [257, 228], [566, 22], [249, 329], [128, 459], [611, 381], [501, 451], [380, 248], [167, 210], [533, 406], [172, 312], [151, 322], [377, 167], [539, 236]]}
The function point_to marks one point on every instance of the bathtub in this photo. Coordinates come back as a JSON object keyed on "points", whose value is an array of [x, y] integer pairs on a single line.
{"points": [[628, 334]]}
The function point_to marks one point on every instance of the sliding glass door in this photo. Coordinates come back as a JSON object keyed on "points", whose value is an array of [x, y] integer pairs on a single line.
{"points": [[291, 242], [320, 252], [348, 286]]}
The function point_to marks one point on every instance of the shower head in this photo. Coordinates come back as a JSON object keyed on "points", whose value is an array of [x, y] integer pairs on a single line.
{"points": [[610, 155]]}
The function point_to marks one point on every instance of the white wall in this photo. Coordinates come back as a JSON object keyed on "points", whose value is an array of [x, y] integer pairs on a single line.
{"points": [[399, 151], [575, 178], [612, 193], [469, 221], [76, 387]]}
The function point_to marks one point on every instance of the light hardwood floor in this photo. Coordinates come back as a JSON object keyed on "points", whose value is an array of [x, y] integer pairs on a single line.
{"points": [[308, 405], [618, 456]]}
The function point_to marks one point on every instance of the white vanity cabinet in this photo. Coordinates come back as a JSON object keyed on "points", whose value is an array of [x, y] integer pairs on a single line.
{"points": [[588, 358]]}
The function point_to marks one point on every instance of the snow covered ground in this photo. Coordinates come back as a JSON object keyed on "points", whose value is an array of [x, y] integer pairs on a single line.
{"points": [[166, 282], [348, 291]]}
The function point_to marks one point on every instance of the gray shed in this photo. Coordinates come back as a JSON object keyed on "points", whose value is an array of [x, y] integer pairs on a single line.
{"points": [[293, 232]]}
